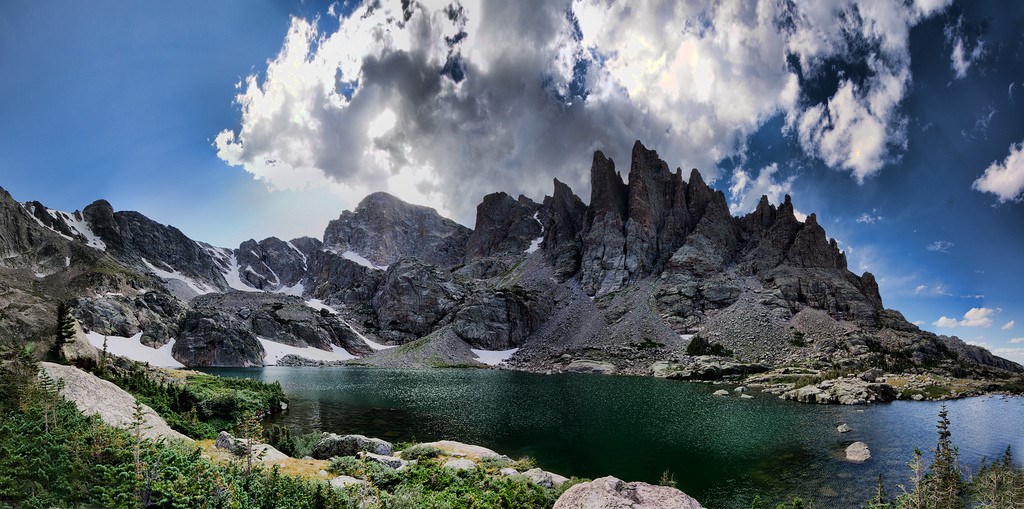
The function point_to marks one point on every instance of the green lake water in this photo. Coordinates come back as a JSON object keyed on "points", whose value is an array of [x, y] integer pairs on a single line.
{"points": [[722, 451]]}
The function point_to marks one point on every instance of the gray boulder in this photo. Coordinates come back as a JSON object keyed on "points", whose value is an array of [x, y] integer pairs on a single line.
{"points": [[332, 445], [544, 478], [612, 493], [385, 460]]}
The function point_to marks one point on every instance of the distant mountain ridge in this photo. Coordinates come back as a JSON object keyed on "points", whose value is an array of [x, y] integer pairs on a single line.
{"points": [[622, 283]]}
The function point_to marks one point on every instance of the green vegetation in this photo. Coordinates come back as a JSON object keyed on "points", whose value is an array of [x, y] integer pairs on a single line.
{"points": [[296, 446], [647, 344], [700, 346], [53, 456], [797, 340], [421, 452], [200, 405]]}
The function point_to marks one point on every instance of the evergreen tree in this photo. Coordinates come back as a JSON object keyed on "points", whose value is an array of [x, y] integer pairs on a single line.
{"points": [[946, 484], [65, 331]]}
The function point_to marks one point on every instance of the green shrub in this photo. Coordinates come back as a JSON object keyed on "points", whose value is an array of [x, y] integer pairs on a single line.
{"points": [[700, 346], [347, 465], [421, 452]]}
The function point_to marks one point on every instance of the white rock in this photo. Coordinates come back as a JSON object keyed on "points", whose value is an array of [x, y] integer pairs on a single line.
{"points": [[721, 392], [843, 428], [858, 452], [612, 493], [95, 396]]}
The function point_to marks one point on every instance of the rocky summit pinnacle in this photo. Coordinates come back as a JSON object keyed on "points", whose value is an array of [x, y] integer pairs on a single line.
{"points": [[624, 284]]}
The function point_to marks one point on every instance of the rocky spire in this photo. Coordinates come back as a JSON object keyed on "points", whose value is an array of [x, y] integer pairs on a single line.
{"points": [[563, 215]]}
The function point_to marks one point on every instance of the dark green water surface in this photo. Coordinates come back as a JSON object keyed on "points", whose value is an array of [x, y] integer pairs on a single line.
{"points": [[722, 451]]}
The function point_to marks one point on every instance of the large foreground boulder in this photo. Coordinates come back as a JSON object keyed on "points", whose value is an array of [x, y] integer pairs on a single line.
{"points": [[331, 445], [612, 493], [95, 396]]}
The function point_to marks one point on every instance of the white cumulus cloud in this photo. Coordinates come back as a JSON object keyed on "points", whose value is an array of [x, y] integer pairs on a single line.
{"points": [[974, 317], [442, 103], [1008, 325], [1004, 179]]}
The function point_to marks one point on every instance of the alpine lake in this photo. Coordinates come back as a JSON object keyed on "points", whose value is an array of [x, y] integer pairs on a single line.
{"points": [[721, 450]]}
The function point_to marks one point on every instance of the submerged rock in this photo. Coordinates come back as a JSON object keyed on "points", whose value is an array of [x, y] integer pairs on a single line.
{"points": [[843, 428], [612, 493], [858, 452], [721, 392]]}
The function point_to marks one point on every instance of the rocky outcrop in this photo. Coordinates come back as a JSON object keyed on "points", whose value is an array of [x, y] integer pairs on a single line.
{"points": [[843, 391], [612, 493], [413, 298], [384, 229], [504, 226], [563, 215], [270, 264], [335, 279], [150, 247], [708, 367], [95, 396], [223, 329], [501, 318], [603, 256], [155, 313], [331, 445]]}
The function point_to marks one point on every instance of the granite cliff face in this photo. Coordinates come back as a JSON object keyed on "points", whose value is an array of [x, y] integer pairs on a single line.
{"points": [[621, 284]]}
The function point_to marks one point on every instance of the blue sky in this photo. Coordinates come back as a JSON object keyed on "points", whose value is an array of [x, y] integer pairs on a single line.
{"points": [[233, 120]]}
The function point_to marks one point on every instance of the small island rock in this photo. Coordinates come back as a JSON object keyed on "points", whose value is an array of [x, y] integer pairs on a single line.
{"points": [[858, 452]]}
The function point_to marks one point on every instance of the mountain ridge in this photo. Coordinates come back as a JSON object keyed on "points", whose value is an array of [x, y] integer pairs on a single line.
{"points": [[624, 281]]}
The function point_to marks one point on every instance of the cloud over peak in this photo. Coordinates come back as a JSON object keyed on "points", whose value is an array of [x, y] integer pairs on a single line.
{"points": [[444, 102]]}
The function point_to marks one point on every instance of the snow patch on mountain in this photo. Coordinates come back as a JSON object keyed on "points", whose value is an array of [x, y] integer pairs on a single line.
{"points": [[174, 275], [318, 304], [535, 243], [79, 225], [493, 357], [133, 349], [275, 351], [358, 258]]}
